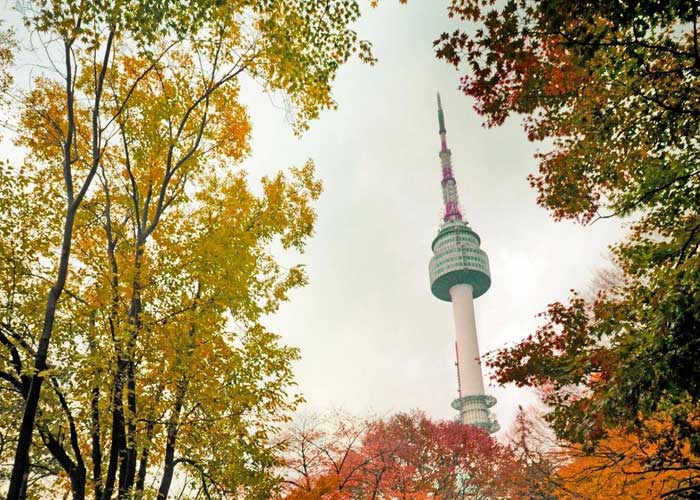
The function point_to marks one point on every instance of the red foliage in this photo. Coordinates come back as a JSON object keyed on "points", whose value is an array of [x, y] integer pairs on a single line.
{"points": [[409, 457]]}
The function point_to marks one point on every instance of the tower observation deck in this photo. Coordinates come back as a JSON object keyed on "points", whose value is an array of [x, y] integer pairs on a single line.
{"points": [[459, 273]]}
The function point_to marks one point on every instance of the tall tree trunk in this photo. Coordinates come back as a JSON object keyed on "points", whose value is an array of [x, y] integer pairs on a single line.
{"points": [[143, 461], [20, 466], [127, 470], [25, 483], [118, 438], [102, 493], [122, 457], [95, 418], [77, 481], [173, 427], [96, 446]]}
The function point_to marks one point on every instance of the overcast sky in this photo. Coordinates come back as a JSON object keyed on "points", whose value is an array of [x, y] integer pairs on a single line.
{"points": [[373, 338]]}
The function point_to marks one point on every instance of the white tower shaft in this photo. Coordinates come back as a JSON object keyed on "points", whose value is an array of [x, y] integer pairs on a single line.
{"points": [[470, 378]]}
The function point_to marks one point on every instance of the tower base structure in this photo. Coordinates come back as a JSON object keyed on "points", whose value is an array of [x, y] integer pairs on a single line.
{"points": [[474, 410]]}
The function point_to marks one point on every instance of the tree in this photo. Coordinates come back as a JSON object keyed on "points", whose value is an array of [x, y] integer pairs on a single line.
{"points": [[322, 457], [408, 456], [539, 454], [618, 468], [613, 87], [147, 103], [209, 397]]}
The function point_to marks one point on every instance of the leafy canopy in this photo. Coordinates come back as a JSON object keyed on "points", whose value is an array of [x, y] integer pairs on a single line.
{"points": [[156, 277]]}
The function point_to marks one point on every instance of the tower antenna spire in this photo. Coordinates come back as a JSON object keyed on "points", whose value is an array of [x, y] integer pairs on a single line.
{"points": [[441, 115], [449, 184]]}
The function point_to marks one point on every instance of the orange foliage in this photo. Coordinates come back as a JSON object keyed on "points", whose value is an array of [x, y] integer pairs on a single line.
{"points": [[619, 468]]}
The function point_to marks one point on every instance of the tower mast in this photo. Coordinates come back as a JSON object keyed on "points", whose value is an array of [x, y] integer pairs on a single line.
{"points": [[449, 184], [459, 273]]}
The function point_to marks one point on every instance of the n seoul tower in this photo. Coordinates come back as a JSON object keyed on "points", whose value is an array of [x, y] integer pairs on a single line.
{"points": [[459, 273]]}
